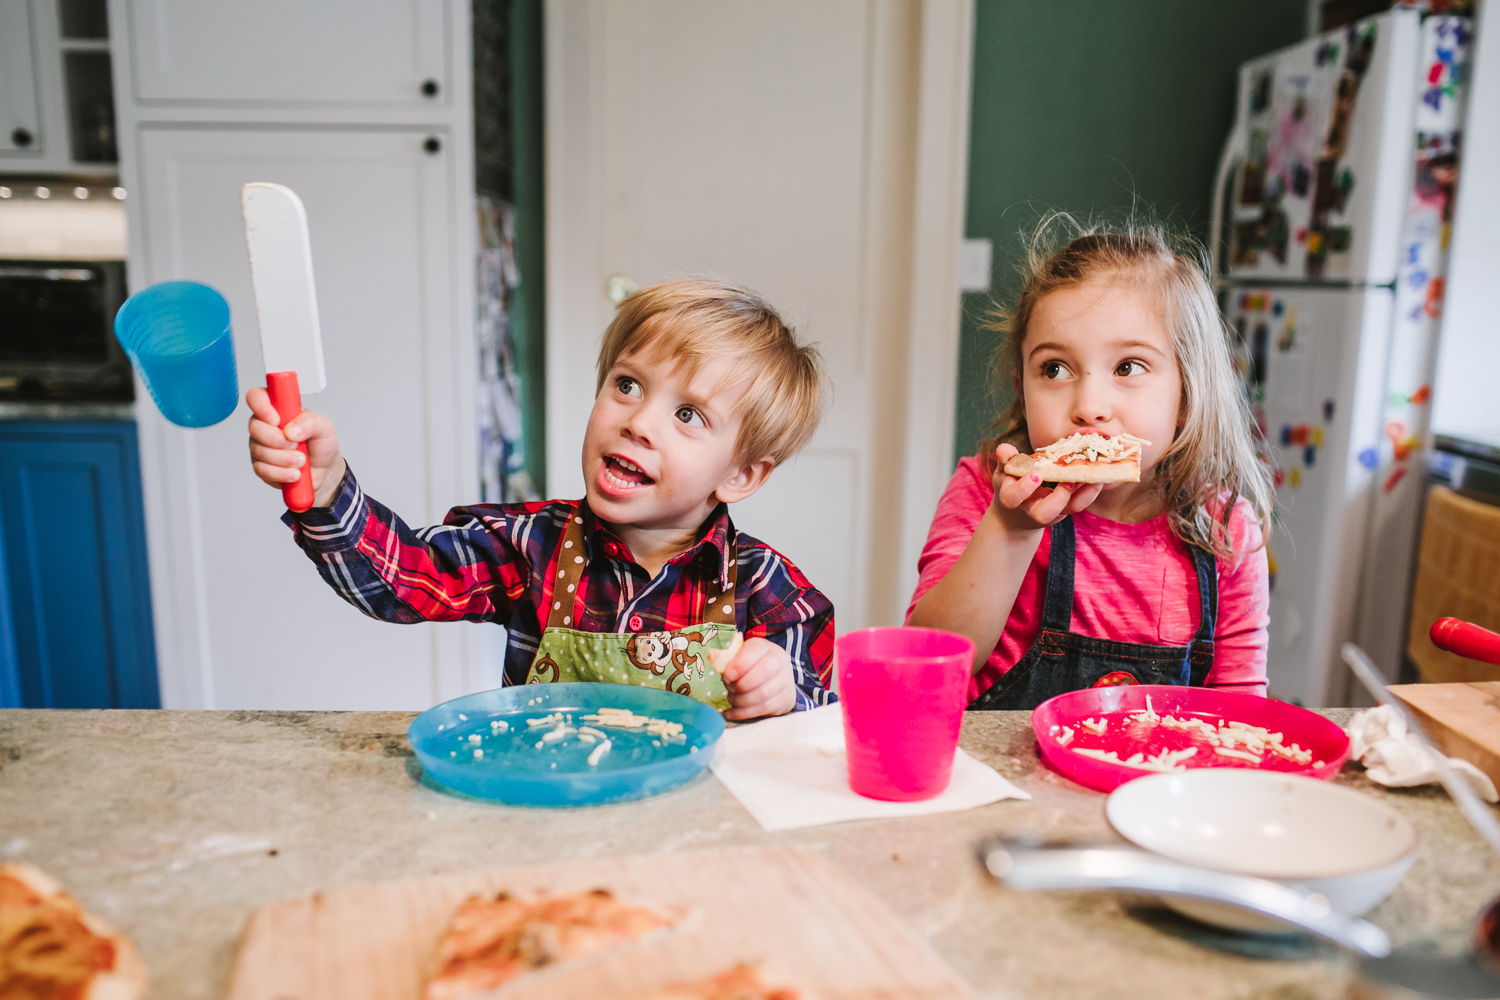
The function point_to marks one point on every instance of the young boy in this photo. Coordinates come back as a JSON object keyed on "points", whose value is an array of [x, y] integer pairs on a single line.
{"points": [[702, 391]]}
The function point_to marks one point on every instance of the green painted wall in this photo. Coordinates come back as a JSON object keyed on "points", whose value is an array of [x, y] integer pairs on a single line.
{"points": [[1092, 107], [530, 195]]}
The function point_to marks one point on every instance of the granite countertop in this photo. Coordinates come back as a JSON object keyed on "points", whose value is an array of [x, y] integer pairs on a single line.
{"points": [[175, 825]]}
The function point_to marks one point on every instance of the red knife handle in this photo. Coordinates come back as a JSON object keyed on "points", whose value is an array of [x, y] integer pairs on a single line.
{"points": [[287, 398], [1466, 640]]}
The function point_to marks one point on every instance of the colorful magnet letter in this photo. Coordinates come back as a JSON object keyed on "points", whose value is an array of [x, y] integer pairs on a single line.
{"points": [[1422, 395], [1369, 458], [1294, 477], [1309, 456], [1327, 411], [1397, 474]]}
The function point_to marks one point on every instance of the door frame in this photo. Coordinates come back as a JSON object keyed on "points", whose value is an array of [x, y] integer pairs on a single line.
{"points": [[574, 138]]}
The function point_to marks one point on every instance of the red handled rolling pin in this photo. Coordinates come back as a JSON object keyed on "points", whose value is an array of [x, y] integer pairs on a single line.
{"points": [[1466, 640]]}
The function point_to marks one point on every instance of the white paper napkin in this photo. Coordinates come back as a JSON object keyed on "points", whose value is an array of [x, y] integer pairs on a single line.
{"points": [[1392, 757], [790, 772]]}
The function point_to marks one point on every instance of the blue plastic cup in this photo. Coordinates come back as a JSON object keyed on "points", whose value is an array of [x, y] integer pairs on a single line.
{"points": [[178, 338]]}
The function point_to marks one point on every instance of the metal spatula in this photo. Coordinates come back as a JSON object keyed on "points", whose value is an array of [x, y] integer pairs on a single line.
{"points": [[290, 342]]}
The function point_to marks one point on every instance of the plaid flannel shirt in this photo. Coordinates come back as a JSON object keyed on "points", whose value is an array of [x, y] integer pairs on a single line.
{"points": [[495, 563]]}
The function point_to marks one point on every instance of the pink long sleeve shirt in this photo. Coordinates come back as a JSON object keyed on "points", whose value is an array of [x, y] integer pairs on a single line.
{"points": [[1131, 583]]}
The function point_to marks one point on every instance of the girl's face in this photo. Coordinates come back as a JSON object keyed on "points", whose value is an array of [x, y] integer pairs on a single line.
{"points": [[1097, 357]]}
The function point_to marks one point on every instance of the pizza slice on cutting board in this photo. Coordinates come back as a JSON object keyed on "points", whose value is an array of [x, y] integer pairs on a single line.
{"points": [[52, 949], [495, 940], [742, 982]]}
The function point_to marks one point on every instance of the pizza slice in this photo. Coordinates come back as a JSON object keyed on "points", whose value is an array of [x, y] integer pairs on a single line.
{"points": [[51, 948], [722, 658], [743, 982], [492, 940], [1083, 458]]}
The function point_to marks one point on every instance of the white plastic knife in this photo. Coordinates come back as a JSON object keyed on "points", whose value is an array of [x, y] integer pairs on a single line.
{"points": [[287, 306]]}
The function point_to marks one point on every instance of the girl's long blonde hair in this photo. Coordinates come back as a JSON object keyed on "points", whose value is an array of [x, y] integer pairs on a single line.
{"points": [[1211, 463]]}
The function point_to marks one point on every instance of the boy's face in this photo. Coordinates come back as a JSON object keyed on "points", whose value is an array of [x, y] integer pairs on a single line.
{"points": [[659, 451]]}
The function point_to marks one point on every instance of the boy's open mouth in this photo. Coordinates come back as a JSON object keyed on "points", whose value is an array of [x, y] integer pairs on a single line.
{"points": [[624, 474]]}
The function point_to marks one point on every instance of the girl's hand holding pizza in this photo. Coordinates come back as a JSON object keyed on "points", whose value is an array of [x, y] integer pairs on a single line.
{"points": [[1023, 504]]}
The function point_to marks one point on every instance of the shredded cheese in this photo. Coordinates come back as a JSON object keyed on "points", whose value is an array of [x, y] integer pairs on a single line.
{"points": [[1092, 447]]}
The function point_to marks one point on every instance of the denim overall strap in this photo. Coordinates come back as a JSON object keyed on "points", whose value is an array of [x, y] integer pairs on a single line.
{"points": [[1201, 652], [1057, 603]]}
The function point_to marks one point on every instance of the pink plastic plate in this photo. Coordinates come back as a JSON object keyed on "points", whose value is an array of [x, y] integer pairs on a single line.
{"points": [[1126, 734]]}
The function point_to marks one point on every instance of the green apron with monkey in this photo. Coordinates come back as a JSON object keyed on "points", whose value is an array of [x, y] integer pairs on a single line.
{"points": [[668, 661]]}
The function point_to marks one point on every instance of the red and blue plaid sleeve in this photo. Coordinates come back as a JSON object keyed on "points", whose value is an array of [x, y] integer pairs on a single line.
{"points": [[467, 569], [783, 606]]}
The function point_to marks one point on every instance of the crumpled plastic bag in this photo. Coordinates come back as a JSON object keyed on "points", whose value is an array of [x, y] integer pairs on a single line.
{"points": [[1392, 756]]}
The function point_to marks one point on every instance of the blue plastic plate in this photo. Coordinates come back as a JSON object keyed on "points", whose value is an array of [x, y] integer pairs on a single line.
{"points": [[514, 770]]}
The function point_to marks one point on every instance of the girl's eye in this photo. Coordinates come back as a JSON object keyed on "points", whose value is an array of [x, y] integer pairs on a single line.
{"points": [[1054, 370], [628, 386], [689, 416], [1131, 367]]}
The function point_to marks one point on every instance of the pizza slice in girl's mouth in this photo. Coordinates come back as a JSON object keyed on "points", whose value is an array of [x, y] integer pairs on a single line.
{"points": [[1083, 458], [625, 472]]}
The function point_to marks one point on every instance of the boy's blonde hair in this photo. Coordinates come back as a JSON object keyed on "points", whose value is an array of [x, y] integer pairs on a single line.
{"points": [[693, 320], [1211, 464]]}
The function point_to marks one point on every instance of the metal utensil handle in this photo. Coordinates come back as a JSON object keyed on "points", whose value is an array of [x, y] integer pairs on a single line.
{"points": [[1114, 868], [1468, 801]]}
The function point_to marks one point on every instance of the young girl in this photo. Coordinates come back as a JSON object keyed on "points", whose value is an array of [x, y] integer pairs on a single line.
{"points": [[1069, 586]]}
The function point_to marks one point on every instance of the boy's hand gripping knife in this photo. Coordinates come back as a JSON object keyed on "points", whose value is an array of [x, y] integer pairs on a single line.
{"points": [[290, 343]]}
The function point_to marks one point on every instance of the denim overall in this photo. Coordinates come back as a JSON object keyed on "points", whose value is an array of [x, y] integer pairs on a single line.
{"points": [[668, 661], [1061, 660]]}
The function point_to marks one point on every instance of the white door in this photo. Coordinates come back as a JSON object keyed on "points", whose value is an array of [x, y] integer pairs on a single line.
{"points": [[771, 143], [290, 54], [245, 621]]}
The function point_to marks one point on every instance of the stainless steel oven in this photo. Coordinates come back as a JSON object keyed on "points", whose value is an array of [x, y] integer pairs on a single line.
{"points": [[57, 339]]}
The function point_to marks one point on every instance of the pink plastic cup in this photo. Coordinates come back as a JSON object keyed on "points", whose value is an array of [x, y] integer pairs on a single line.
{"points": [[904, 691]]}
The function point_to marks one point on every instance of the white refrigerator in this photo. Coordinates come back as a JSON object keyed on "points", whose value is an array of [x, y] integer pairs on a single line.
{"points": [[1333, 212]]}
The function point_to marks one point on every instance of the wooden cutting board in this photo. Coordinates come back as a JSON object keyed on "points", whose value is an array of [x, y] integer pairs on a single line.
{"points": [[1463, 720], [799, 915]]}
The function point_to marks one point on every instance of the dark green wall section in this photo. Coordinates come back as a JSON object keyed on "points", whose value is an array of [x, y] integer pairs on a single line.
{"points": [[1095, 107], [531, 299]]}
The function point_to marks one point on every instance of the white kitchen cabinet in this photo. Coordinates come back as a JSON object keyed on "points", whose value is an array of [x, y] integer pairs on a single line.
{"points": [[20, 111], [56, 106], [292, 54], [326, 98], [248, 608]]}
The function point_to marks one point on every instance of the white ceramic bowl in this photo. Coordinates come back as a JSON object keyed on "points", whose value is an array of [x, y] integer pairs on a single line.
{"points": [[1313, 835]]}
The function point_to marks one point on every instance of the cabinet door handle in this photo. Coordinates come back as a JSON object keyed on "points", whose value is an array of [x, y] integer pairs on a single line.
{"points": [[429, 88], [433, 144], [20, 137]]}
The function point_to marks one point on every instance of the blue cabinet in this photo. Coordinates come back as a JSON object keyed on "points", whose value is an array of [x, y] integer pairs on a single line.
{"points": [[75, 597]]}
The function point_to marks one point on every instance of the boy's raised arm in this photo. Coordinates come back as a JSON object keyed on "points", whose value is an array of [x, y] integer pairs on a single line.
{"points": [[466, 569]]}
